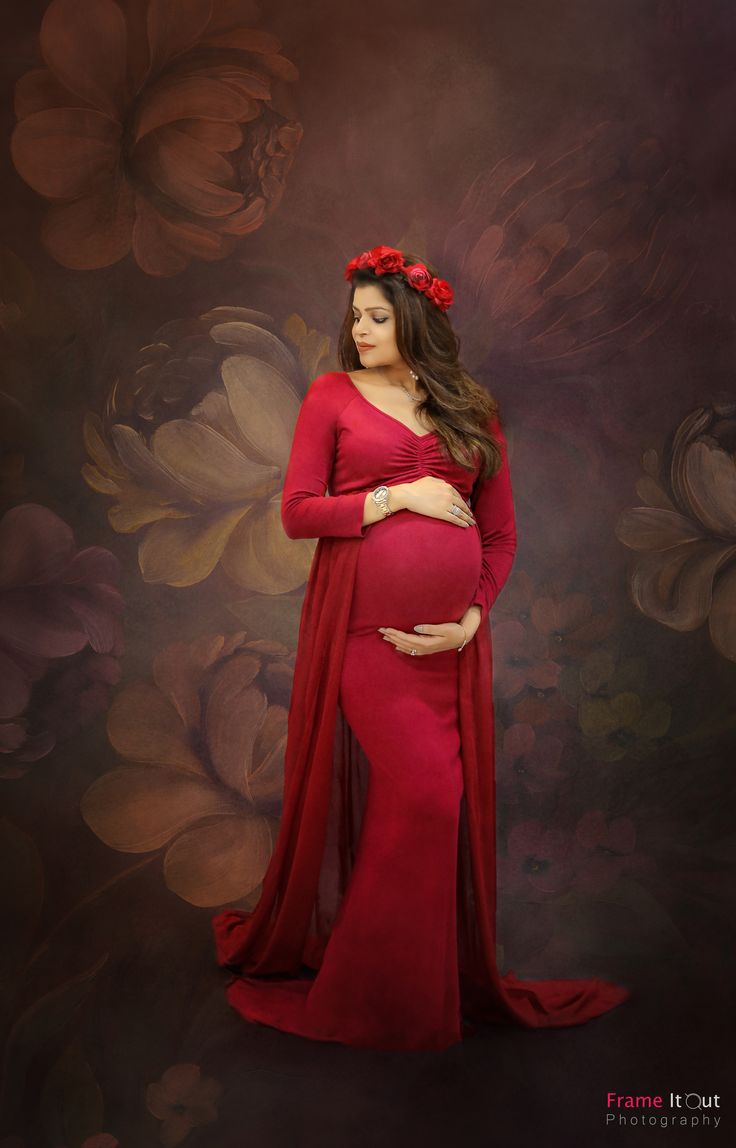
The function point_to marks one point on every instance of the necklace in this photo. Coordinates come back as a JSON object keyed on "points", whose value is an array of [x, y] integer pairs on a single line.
{"points": [[415, 376], [414, 398]]}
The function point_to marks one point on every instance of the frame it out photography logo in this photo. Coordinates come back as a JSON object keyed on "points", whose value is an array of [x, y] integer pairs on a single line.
{"points": [[684, 1109]]}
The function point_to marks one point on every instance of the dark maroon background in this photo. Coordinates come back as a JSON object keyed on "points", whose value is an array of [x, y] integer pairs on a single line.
{"points": [[403, 106]]}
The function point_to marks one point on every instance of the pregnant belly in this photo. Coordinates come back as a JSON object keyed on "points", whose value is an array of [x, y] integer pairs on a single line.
{"points": [[413, 569]]}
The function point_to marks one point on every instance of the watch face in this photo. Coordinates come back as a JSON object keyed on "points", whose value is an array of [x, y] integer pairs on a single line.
{"points": [[380, 497]]}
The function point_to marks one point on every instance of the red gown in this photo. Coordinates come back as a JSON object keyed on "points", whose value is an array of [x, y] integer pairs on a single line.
{"points": [[376, 922]]}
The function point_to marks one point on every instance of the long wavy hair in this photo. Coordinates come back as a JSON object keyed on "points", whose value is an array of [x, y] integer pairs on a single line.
{"points": [[458, 406]]}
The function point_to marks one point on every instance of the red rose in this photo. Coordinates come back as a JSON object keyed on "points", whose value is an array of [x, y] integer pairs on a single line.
{"points": [[440, 292], [418, 276], [365, 259], [387, 260]]}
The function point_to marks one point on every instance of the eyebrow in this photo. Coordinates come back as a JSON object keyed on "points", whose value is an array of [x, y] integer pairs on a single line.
{"points": [[370, 308]]}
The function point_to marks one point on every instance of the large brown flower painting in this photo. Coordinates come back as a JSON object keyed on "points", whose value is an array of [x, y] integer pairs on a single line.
{"points": [[61, 634], [567, 258], [161, 127], [203, 770], [193, 450], [685, 535]]}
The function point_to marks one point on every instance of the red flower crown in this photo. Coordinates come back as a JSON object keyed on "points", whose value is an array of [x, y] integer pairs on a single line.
{"points": [[385, 260]]}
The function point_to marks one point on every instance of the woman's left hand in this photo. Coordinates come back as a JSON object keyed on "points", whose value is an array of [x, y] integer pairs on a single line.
{"points": [[426, 638]]}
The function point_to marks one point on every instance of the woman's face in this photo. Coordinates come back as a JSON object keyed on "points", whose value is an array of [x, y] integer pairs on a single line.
{"points": [[374, 323]]}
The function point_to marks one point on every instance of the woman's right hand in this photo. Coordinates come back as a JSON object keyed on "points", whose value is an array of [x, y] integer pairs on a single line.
{"points": [[435, 498]]}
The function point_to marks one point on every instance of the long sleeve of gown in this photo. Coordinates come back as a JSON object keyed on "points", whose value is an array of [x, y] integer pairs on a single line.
{"points": [[306, 510], [493, 506]]}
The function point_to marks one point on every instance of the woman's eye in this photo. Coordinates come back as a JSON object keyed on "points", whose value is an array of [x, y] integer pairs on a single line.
{"points": [[376, 318]]}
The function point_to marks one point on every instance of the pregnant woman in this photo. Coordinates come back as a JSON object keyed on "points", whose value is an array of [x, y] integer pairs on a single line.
{"points": [[376, 923]]}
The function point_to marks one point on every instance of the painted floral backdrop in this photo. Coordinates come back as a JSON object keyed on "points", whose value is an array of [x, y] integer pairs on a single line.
{"points": [[184, 181]]}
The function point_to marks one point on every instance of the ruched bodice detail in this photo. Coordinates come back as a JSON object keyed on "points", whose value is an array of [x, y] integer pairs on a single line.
{"points": [[389, 451]]}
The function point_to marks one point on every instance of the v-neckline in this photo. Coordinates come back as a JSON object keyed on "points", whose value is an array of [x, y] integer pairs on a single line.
{"points": [[353, 384]]}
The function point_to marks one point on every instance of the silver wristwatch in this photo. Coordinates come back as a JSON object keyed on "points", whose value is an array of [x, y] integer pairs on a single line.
{"points": [[380, 497]]}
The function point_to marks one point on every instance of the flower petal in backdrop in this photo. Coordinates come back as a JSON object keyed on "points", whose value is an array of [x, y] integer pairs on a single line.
{"points": [[538, 862], [569, 257], [194, 445], [685, 536], [202, 777], [163, 131], [59, 619], [528, 764], [607, 851], [183, 1100]]}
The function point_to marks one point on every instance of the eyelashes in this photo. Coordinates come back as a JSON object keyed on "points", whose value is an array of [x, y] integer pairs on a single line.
{"points": [[375, 320]]}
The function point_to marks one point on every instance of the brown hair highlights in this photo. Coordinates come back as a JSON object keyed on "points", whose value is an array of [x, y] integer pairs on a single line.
{"points": [[458, 406]]}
